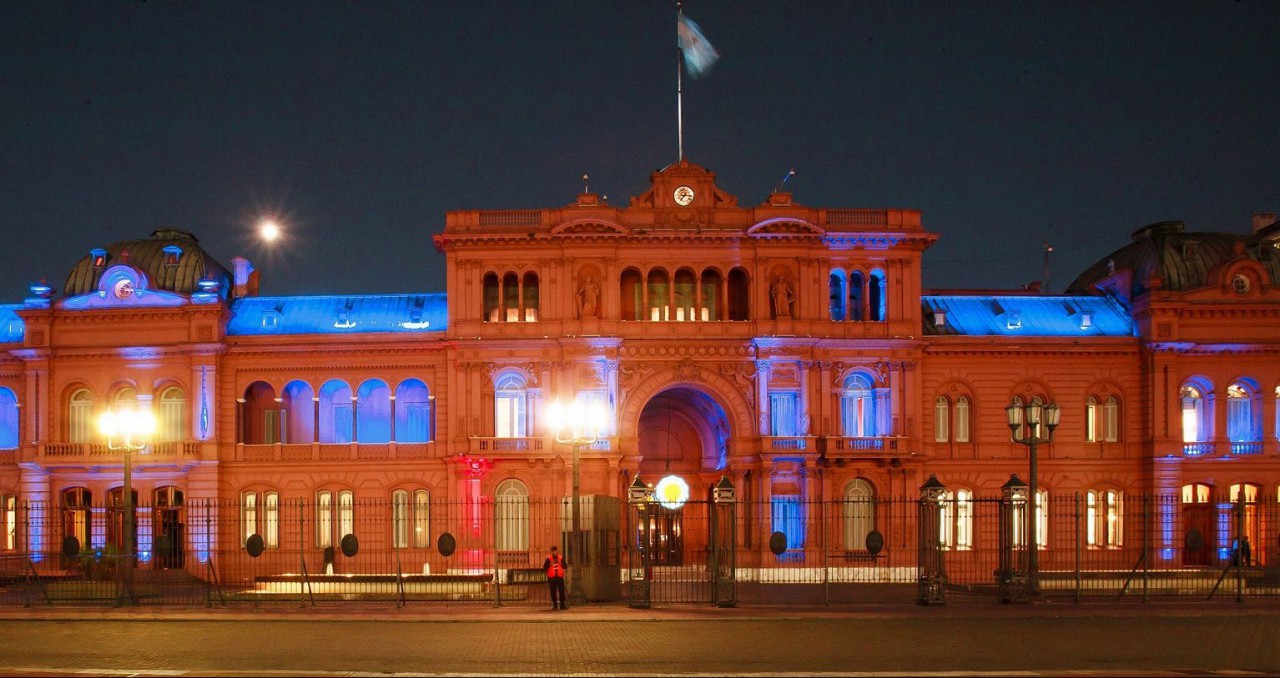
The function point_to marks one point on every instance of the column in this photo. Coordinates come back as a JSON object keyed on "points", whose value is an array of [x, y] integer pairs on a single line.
{"points": [[762, 395], [802, 425]]}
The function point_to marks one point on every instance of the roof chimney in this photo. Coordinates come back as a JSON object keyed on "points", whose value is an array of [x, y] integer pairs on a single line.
{"points": [[245, 278], [1262, 220]]}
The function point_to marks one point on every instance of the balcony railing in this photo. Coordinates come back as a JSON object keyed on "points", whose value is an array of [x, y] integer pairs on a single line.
{"points": [[789, 443], [864, 444], [504, 445], [334, 451], [174, 449]]}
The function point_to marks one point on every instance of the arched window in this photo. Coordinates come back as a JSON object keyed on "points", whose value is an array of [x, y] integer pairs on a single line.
{"points": [[415, 416], [248, 516], [859, 513], [962, 419], [511, 298], [1104, 518], [837, 293], [511, 516], [510, 420], [1277, 421], [373, 412], [1252, 526], [1243, 422], [941, 419], [856, 284], [260, 412], [530, 297], [685, 294], [400, 522], [658, 288], [335, 412], [1091, 415], [739, 294], [345, 523], [956, 525], [8, 420], [77, 502], [1111, 419], [712, 284], [490, 295], [271, 519], [631, 290], [410, 518], [173, 414], [1042, 519], [858, 406], [79, 416], [877, 303], [9, 504], [298, 415], [1197, 415]]}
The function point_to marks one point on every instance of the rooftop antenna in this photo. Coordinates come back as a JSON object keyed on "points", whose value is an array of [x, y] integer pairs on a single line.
{"points": [[787, 177], [1044, 285], [586, 187]]}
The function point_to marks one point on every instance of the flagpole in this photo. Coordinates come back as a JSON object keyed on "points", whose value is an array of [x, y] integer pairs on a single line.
{"points": [[679, 81]]}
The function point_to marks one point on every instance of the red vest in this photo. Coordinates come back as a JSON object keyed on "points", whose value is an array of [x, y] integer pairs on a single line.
{"points": [[556, 568]]}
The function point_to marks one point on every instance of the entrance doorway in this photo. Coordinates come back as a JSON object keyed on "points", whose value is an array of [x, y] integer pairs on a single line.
{"points": [[170, 527]]}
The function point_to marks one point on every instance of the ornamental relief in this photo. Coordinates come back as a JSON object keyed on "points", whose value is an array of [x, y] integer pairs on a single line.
{"points": [[678, 351]]}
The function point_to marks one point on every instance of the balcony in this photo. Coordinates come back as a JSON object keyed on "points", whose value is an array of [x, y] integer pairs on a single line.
{"points": [[99, 453], [334, 451], [866, 446]]}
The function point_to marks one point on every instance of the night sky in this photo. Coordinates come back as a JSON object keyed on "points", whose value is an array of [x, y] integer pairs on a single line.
{"points": [[359, 124]]}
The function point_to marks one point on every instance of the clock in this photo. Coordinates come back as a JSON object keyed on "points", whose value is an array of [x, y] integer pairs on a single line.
{"points": [[683, 196], [123, 289]]}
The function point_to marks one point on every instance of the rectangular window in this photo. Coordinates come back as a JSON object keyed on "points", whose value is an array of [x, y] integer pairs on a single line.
{"points": [[324, 519], [962, 419], [417, 423], [421, 519], [782, 408], [1091, 421], [10, 522], [400, 519], [270, 426], [172, 419], [509, 415], [788, 518], [248, 516], [342, 424], [271, 538]]}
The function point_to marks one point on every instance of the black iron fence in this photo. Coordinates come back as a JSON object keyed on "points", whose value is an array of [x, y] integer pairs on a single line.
{"points": [[413, 550]]}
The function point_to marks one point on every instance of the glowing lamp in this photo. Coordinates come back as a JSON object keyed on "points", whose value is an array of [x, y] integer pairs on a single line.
{"points": [[672, 492]]}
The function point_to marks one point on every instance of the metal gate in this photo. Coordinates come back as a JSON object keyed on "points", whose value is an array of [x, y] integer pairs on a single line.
{"points": [[681, 551]]}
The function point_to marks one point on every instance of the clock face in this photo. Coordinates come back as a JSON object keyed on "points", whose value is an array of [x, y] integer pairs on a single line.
{"points": [[123, 289], [683, 195]]}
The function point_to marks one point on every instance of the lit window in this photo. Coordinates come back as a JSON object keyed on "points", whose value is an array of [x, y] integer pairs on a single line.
{"points": [[941, 419], [509, 407], [248, 516], [1104, 518], [511, 516], [783, 415], [858, 407], [9, 504], [271, 531], [962, 419], [859, 514]]}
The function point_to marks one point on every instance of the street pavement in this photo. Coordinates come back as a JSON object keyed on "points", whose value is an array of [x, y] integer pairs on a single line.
{"points": [[971, 638]]}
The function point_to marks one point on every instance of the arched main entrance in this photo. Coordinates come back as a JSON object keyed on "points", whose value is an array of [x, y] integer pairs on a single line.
{"points": [[683, 438]]}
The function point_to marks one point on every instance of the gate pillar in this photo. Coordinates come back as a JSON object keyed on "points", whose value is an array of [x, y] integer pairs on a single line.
{"points": [[639, 567], [1012, 573], [724, 577], [930, 559]]}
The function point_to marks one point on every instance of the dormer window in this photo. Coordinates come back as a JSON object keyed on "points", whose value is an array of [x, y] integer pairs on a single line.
{"points": [[171, 255], [1086, 321], [940, 318], [270, 319], [1013, 320], [99, 257]]}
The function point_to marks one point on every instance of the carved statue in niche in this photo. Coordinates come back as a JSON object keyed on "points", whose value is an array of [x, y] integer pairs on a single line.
{"points": [[588, 298], [783, 295]]}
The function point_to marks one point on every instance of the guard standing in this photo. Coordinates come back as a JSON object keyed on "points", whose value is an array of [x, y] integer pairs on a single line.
{"points": [[554, 567]]}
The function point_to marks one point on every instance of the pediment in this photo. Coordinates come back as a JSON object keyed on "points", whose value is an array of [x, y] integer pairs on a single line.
{"points": [[588, 227], [785, 226]]}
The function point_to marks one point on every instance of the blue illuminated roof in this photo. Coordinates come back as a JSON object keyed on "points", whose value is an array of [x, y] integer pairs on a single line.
{"points": [[413, 313], [11, 326], [1025, 315]]}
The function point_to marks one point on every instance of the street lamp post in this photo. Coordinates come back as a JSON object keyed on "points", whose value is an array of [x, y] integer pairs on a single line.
{"points": [[577, 425], [128, 431], [1032, 424]]}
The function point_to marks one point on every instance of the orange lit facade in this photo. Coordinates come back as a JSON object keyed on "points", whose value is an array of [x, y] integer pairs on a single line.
{"points": [[788, 348]]}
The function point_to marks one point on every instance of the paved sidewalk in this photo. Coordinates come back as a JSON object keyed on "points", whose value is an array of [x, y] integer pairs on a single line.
{"points": [[480, 613]]}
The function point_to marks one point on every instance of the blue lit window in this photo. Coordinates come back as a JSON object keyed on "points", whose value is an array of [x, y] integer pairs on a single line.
{"points": [[856, 284], [877, 293], [836, 287], [782, 411], [335, 412], [8, 420], [414, 417], [298, 418], [373, 412], [788, 518], [1195, 415], [1243, 424], [858, 407]]}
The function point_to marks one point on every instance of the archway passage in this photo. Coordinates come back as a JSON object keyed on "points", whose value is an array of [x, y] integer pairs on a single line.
{"points": [[683, 432]]}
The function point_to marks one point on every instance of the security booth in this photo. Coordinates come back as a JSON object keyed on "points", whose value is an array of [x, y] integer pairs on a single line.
{"points": [[596, 545]]}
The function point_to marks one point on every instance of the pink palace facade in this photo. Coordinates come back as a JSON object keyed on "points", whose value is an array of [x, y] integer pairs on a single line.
{"points": [[790, 349]]}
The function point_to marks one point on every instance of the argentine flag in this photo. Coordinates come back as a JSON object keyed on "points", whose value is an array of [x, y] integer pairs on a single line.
{"points": [[698, 53]]}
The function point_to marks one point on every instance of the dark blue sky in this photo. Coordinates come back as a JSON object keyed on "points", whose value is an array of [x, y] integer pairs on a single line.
{"points": [[361, 123]]}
